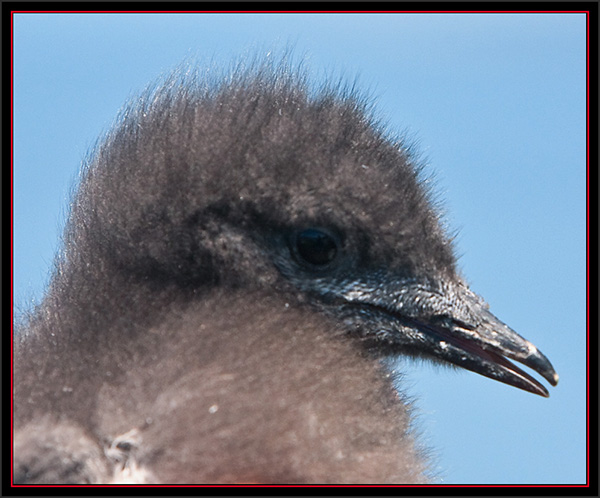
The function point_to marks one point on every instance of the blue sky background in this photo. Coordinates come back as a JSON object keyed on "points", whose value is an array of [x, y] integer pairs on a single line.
{"points": [[496, 104]]}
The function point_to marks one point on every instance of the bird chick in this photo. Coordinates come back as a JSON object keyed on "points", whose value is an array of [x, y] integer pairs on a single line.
{"points": [[238, 258]]}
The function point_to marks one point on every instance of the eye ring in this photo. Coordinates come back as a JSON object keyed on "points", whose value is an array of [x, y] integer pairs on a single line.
{"points": [[315, 247]]}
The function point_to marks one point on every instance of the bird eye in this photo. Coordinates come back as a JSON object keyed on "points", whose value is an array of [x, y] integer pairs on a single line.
{"points": [[315, 247]]}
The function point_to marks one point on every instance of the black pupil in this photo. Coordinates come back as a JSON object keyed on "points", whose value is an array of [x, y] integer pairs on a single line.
{"points": [[316, 247]]}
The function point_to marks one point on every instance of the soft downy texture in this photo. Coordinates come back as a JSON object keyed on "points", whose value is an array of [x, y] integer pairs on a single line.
{"points": [[240, 256]]}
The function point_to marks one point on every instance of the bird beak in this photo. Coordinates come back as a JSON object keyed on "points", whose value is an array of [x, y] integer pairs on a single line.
{"points": [[484, 349], [453, 324]]}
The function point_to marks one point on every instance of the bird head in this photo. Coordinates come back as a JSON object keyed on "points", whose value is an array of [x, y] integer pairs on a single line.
{"points": [[260, 183]]}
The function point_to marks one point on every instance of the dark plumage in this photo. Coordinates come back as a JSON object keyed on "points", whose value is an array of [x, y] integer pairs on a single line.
{"points": [[238, 258]]}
